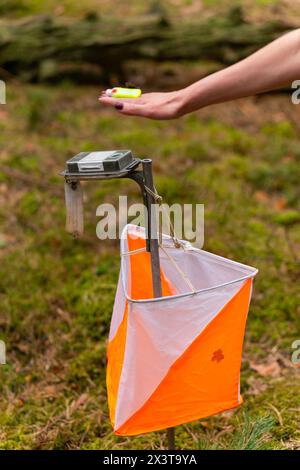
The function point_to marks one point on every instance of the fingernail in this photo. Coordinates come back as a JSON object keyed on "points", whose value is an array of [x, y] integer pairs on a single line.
{"points": [[119, 105]]}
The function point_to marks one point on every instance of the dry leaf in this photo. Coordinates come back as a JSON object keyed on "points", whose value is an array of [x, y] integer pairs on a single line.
{"points": [[50, 391], [266, 370], [261, 196], [256, 386], [79, 402], [23, 347], [280, 203], [64, 315], [204, 423]]}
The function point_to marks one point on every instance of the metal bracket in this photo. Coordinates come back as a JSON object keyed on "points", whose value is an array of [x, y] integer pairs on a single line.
{"points": [[141, 177]]}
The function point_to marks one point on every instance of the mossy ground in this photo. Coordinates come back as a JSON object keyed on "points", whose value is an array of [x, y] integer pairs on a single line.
{"points": [[242, 161]]}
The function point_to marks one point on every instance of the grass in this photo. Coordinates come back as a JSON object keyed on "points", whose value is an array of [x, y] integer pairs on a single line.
{"points": [[56, 294]]}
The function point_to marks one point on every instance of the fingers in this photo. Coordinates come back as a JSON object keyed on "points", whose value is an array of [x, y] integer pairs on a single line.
{"points": [[126, 106], [132, 109], [108, 100]]}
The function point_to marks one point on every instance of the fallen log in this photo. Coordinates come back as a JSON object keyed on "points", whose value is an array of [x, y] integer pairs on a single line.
{"points": [[44, 47]]}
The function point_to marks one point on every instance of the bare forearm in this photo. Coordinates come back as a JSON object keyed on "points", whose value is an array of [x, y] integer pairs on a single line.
{"points": [[272, 67]]}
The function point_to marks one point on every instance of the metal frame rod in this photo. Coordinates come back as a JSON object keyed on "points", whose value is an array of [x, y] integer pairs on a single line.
{"points": [[151, 229], [154, 253]]}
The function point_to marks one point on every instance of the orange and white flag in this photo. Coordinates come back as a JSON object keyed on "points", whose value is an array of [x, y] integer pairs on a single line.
{"points": [[177, 358]]}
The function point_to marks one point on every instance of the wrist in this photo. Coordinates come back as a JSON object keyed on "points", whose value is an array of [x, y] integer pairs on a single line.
{"points": [[174, 102], [182, 99], [189, 100]]}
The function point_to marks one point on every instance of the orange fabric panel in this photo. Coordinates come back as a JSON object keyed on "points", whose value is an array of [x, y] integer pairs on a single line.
{"points": [[205, 379], [140, 268], [115, 357], [141, 288]]}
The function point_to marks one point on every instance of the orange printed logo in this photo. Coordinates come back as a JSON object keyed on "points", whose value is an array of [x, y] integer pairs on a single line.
{"points": [[218, 355]]}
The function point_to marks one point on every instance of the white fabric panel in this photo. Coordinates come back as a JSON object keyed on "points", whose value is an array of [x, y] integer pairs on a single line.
{"points": [[118, 311], [205, 270], [158, 334]]}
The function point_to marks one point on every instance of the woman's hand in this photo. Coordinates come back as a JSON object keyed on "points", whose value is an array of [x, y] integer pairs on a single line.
{"points": [[150, 105]]}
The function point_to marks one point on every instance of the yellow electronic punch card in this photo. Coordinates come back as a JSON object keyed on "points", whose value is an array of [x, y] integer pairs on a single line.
{"points": [[119, 92]]}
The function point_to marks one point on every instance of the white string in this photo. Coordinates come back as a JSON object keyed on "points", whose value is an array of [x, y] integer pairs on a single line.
{"points": [[182, 273], [133, 252], [177, 243], [158, 198]]}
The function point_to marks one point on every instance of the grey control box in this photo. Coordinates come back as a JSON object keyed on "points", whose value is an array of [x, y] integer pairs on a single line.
{"points": [[107, 161]]}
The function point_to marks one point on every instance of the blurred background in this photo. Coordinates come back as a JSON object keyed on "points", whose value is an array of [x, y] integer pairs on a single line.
{"points": [[240, 159]]}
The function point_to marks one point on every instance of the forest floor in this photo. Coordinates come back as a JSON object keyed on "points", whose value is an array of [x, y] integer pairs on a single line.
{"points": [[56, 294]]}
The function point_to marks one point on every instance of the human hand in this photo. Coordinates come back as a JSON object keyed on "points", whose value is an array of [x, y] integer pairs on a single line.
{"points": [[160, 106]]}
